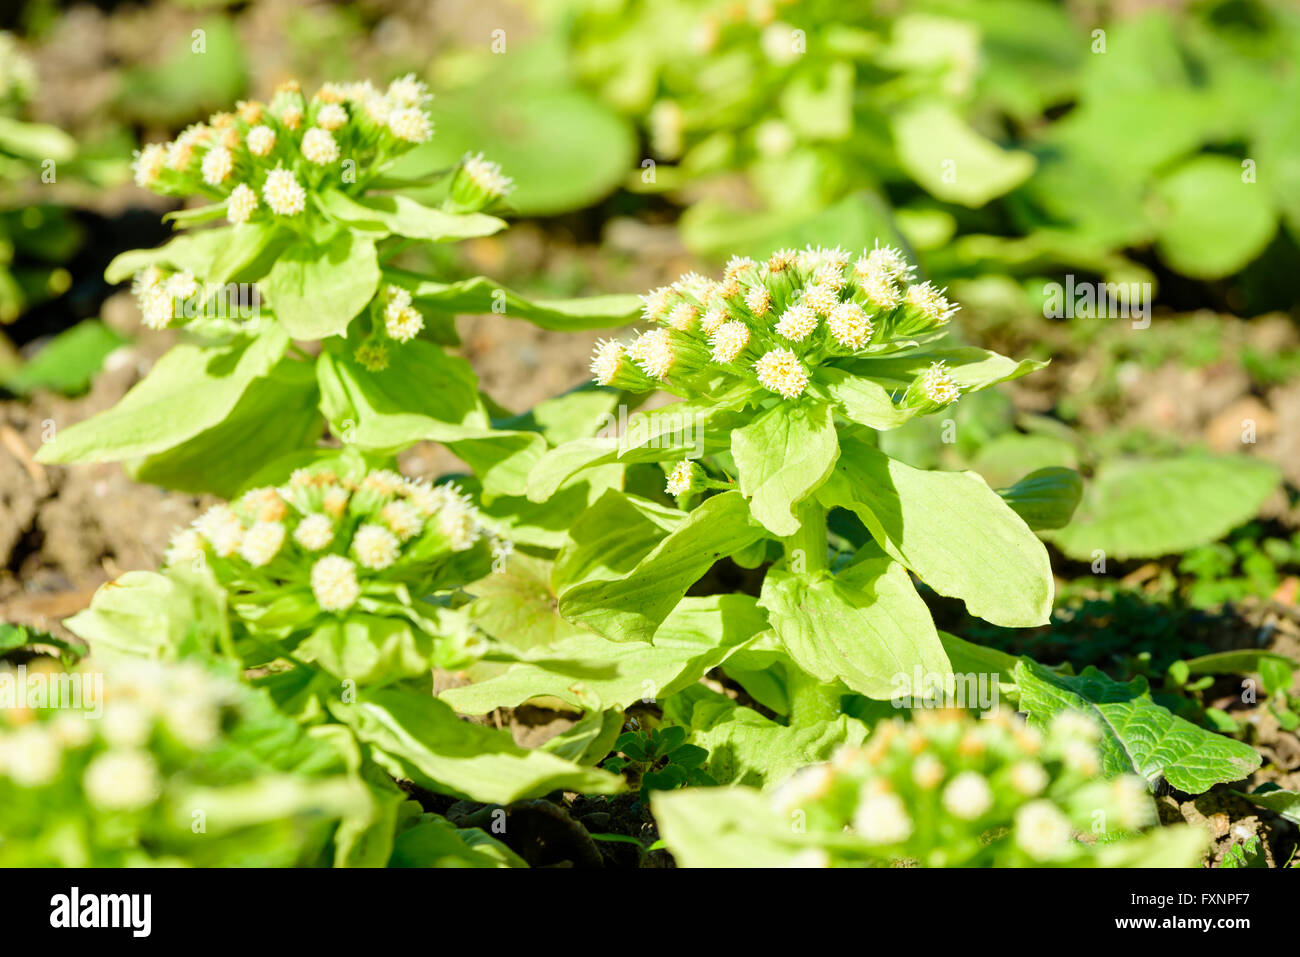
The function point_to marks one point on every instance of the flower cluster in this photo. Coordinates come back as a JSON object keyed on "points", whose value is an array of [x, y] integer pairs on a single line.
{"points": [[262, 159], [773, 324], [336, 538], [148, 709], [949, 791]]}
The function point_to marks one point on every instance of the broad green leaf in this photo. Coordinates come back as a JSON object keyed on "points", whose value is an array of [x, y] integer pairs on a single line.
{"points": [[482, 296], [1246, 661], [1284, 803], [368, 649], [590, 740], [1212, 222], [717, 827], [866, 627], [191, 389], [67, 362], [36, 141], [148, 615], [632, 605], [861, 400], [316, 290], [406, 217], [223, 459], [953, 162], [192, 251], [517, 606], [783, 455], [671, 432], [1144, 509], [420, 738], [595, 674], [1046, 498], [971, 368], [747, 748], [949, 528], [435, 842], [1138, 736]]}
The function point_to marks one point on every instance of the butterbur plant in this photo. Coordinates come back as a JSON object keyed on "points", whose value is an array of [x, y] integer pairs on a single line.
{"points": [[288, 296], [787, 370], [943, 790]]}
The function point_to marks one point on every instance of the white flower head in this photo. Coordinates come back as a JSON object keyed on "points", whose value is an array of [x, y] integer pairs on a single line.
{"points": [[222, 528], [261, 543], [410, 124], [314, 532], [850, 325], [968, 796], [149, 163], [34, 755], [882, 819], [927, 771], [1029, 778], [261, 140], [402, 323], [319, 146], [938, 385], [283, 194], [241, 204], [653, 352], [683, 316], [806, 786], [1042, 831], [334, 583], [606, 360], [930, 302], [654, 304], [884, 261], [126, 724], [681, 478], [331, 117], [487, 175], [729, 340], [402, 519], [821, 299], [713, 319], [125, 780], [408, 91], [797, 323], [375, 546], [780, 371], [458, 521], [218, 164], [759, 301], [1133, 804], [880, 291]]}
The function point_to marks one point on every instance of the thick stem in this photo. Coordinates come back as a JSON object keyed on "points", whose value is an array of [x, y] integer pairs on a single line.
{"points": [[811, 701]]}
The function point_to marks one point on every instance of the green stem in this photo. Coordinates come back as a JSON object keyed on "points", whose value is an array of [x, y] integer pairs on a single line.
{"points": [[806, 553]]}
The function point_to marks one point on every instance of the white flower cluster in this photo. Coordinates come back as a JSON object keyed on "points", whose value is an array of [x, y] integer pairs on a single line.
{"points": [[992, 791], [267, 156], [145, 703], [163, 296], [333, 534], [774, 323]]}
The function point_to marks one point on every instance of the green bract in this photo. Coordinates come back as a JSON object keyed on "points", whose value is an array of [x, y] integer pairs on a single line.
{"points": [[942, 791]]}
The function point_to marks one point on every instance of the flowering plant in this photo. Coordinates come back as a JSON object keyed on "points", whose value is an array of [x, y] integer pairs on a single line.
{"points": [[312, 225], [940, 791], [345, 589]]}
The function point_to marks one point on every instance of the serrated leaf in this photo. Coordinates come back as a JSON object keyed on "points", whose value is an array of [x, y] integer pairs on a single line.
{"points": [[1138, 735]]}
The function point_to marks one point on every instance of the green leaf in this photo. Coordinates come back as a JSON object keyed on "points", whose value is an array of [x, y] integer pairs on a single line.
{"points": [[436, 842], [747, 748], [517, 606], [1046, 498], [716, 827], [783, 455], [1144, 509], [482, 296], [406, 217], [862, 400], [368, 649], [595, 674], [953, 162], [1138, 736], [225, 458], [1213, 223], [67, 362], [949, 528], [148, 615], [36, 141], [866, 627], [630, 606], [192, 251], [973, 369], [1286, 804], [1246, 661], [316, 290], [191, 389], [420, 738]]}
